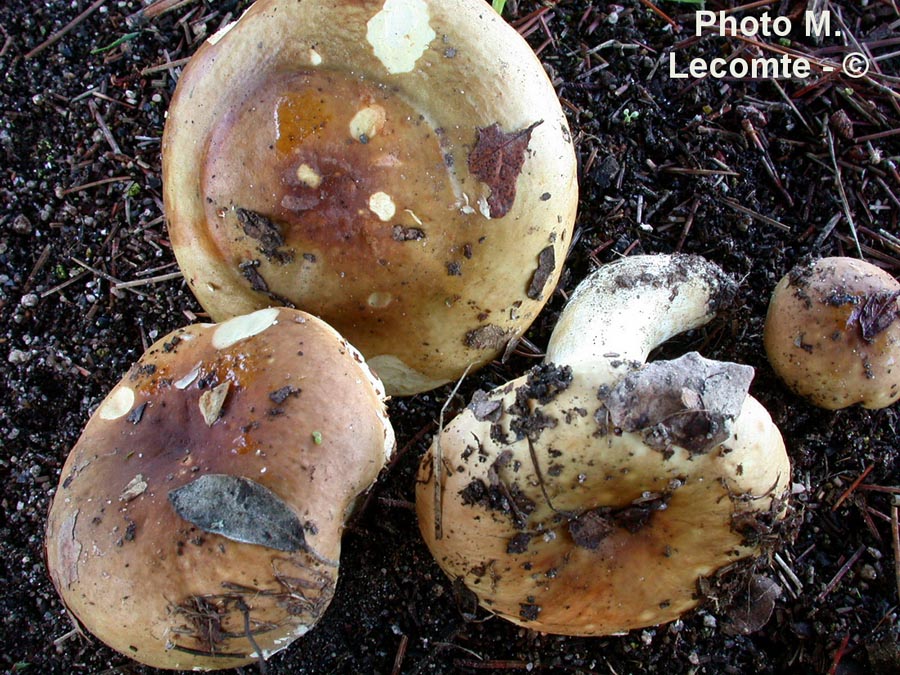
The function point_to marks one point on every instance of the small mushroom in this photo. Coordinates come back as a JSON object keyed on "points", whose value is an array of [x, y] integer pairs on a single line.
{"points": [[400, 168], [594, 494], [833, 334], [198, 520]]}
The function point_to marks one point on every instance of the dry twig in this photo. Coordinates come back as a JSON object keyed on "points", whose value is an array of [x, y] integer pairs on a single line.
{"points": [[93, 184], [895, 539], [150, 280], [731, 203], [401, 653], [153, 10], [836, 579], [104, 129], [855, 484], [839, 183], [438, 460]]}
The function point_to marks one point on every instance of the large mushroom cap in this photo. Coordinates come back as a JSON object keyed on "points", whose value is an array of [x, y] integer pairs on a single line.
{"points": [[401, 168], [586, 530], [594, 494], [198, 519], [833, 333]]}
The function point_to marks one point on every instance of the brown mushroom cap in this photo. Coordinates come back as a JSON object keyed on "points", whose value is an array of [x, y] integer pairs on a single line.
{"points": [[833, 334], [401, 168], [209, 491], [593, 498]]}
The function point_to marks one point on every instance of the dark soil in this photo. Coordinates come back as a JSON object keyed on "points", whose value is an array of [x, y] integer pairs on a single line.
{"points": [[752, 175]]}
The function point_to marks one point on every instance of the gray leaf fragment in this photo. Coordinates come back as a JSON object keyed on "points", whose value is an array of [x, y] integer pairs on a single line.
{"points": [[689, 401], [240, 509], [485, 408]]}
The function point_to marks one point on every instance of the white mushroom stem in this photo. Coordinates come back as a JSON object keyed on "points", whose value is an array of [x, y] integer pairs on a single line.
{"points": [[627, 308]]}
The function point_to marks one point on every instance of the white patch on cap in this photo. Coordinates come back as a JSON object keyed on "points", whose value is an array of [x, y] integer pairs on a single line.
{"points": [[380, 299], [241, 327], [308, 176], [484, 207], [400, 34], [382, 206], [188, 379], [367, 122], [117, 404], [390, 440], [219, 34], [464, 206], [315, 58], [403, 380]]}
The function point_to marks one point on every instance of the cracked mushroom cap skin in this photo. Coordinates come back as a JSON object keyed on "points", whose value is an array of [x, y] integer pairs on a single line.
{"points": [[586, 500], [833, 333], [210, 488], [409, 178]]}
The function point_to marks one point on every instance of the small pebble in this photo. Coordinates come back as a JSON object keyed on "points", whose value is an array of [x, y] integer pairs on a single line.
{"points": [[18, 357]]}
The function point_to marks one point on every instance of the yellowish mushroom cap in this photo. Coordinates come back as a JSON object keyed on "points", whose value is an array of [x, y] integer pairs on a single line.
{"points": [[833, 333], [596, 532], [400, 168], [594, 494]]}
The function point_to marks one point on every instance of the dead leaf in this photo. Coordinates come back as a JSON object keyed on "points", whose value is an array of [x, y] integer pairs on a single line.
{"points": [[545, 268], [753, 612], [135, 488], [266, 233], [497, 160], [875, 314], [487, 337], [211, 403], [689, 401], [485, 408], [240, 509]]}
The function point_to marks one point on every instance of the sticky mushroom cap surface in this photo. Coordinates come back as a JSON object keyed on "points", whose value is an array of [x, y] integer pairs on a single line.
{"points": [[409, 178], [620, 533], [832, 333], [593, 498], [198, 519]]}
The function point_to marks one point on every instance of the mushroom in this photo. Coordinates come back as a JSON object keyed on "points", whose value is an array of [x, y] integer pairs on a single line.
{"points": [[594, 494], [833, 334], [400, 168], [198, 520]]}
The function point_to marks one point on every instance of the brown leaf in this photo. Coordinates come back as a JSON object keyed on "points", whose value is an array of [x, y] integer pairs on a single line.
{"points": [[753, 611], [875, 313], [497, 160], [487, 337], [266, 233], [591, 528], [545, 268]]}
